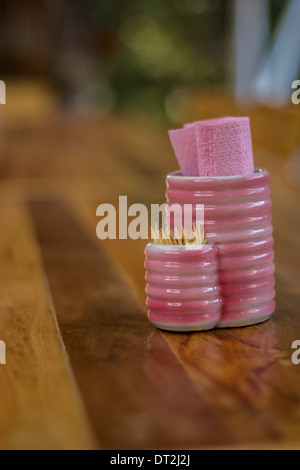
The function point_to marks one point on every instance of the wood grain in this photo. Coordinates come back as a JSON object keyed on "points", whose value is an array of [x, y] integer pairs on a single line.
{"points": [[245, 375], [136, 392], [141, 388], [39, 403]]}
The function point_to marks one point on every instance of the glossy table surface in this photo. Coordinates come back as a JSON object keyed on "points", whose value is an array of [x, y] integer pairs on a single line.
{"points": [[85, 368]]}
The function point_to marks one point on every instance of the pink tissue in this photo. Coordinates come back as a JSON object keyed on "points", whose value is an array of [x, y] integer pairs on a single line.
{"points": [[184, 144], [211, 121], [215, 147]]}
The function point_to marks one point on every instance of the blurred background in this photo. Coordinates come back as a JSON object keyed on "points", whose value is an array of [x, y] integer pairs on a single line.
{"points": [[149, 57], [92, 87], [132, 67]]}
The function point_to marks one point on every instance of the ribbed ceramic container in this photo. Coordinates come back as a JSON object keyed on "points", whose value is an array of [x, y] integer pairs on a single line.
{"points": [[182, 287], [237, 212]]}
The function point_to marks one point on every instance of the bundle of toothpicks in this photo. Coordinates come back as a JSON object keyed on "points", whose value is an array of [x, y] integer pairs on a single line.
{"points": [[194, 236]]}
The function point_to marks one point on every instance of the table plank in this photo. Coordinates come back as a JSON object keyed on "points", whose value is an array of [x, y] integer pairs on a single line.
{"points": [[135, 390], [40, 407]]}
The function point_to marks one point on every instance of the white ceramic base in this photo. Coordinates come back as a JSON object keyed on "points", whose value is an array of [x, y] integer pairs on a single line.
{"points": [[241, 323], [185, 328]]}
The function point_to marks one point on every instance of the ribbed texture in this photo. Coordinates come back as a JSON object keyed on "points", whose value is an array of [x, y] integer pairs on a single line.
{"points": [[237, 212], [182, 287]]}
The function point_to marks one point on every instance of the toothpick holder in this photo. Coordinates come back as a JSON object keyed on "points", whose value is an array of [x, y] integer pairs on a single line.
{"points": [[182, 286]]}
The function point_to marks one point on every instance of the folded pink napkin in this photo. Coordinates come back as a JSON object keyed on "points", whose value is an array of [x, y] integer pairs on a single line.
{"points": [[184, 144], [215, 147]]}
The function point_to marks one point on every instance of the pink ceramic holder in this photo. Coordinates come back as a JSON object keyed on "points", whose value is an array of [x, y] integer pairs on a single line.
{"points": [[182, 286], [237, 219]]}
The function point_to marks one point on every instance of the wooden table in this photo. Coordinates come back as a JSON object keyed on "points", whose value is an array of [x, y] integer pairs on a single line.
{"points": [[85, 368]]}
